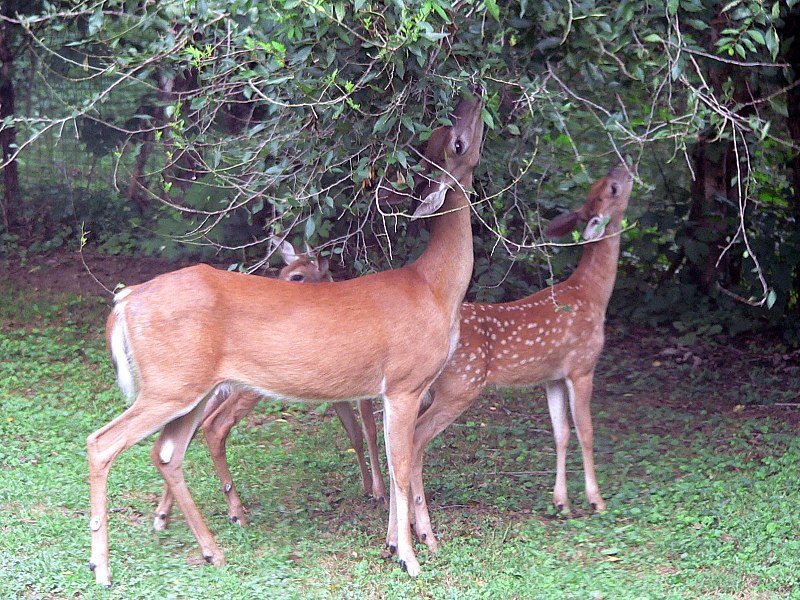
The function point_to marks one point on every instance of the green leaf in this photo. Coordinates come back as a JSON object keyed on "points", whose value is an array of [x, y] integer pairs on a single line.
{"points": [[653, 37], [771, 298], [487, 118], [493, 9], [672, 7], [757, 36], [311, 227], [772, 42]]}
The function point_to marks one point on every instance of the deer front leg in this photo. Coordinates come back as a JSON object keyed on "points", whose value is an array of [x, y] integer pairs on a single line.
{"points": [[348, 418], [580, 396], [216, 429], [399, 415], [557, 404], [451, 398], [367, 413]]}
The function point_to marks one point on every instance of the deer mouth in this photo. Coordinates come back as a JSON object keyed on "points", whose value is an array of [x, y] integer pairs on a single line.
{"points": [[595, 228]]}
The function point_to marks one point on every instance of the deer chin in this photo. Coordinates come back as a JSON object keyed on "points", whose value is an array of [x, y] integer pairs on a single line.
{"points": [[595, 228]]}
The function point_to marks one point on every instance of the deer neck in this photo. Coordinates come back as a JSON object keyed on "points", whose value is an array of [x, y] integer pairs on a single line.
{"points": [[446, 264], [597, 269]]}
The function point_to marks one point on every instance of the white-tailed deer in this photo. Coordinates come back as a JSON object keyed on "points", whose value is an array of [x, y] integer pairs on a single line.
{"points": [[223, 411], [552, 337], [179, 337]]}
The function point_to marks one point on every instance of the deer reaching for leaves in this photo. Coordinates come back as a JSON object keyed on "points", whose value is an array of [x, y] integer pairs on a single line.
{"points": [[179, 337], [552, 337], [223, 411]]}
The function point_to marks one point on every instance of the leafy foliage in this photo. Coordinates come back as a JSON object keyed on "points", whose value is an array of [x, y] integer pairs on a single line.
{"points": [[226, 122]]}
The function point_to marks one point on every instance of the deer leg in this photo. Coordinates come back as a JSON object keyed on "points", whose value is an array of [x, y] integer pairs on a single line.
{"points": [[556, 403], [167, 454], [580, 396], [164, 508], [399, 416], [446, 408], [102, 448], [367, 413], [348, 418], [216, 429]]}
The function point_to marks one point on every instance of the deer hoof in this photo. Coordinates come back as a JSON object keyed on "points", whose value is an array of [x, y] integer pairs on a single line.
{"points": [[392, 548], [233, 519], [160, 522], [404, 566], [209, 558], [92, 566]]}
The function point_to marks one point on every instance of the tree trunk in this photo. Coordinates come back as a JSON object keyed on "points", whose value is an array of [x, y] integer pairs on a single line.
{"points": [[137, 189], [7, 135], [714, 189], [790, 31]]}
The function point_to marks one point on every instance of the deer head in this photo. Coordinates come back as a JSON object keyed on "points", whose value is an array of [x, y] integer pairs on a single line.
{"points": [[449, 158], [607, 201], [302, 267]]}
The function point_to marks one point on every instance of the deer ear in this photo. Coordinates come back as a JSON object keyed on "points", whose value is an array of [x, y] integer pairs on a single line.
{"points": [[323, 266], [288, 252], [562, 225]]}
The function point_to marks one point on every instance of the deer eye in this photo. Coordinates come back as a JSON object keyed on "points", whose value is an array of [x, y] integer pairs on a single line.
{"points": [[459, 147], [296, 277], [614, 189]]}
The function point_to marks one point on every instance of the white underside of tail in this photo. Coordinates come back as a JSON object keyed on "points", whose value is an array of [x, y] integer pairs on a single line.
{"points": [[120, 353]]}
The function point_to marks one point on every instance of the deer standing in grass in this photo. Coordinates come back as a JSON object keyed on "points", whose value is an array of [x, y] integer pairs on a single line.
{"points": [[552, 337], [180, 337], [226, 408]]}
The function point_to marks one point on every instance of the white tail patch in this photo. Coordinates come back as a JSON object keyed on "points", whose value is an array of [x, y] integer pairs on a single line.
{"points": [[120, 353], [122, 294]]}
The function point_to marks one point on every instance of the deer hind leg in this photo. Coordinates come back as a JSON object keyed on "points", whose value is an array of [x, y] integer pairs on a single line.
{"points": [[446, 408], [102, 448], [557, 404], [367, 413], [399, 416], [216, 429], [164, 508], [167, 454], [348, 418], [580, 396]]}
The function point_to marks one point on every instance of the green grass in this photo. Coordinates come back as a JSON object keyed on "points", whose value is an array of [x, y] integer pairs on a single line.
{"points": [[702, 490]]}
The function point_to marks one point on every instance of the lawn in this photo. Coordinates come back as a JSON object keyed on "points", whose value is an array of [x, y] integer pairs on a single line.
{"points": [[697, 459]]}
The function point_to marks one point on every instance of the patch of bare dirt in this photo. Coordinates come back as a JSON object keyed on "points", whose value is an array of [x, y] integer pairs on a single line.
{"points": [[66, 271]]}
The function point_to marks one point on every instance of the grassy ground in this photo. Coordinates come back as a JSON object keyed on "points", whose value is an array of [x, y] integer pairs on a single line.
{"points": [[701, 483]]}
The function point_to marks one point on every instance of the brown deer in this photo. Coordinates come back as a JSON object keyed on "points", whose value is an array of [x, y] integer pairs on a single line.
{"points": [[181, 336], [529, 351], [223, 411], [552, 337]]}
